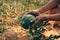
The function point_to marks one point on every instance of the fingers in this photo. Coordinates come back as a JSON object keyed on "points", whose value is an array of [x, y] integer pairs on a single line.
{"points": [[39, 18], [34, 20], [30, 12], [34, 13]]}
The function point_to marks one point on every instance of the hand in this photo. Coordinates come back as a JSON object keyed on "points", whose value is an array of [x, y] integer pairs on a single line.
{"points": [[34, 13], [40, 18]]}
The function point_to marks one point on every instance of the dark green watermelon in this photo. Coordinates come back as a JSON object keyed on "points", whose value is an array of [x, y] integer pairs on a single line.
{"points": [[25, 20]]}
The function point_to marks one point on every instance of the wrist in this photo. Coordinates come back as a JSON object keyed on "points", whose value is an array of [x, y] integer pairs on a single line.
{"points": [[47, 18]]}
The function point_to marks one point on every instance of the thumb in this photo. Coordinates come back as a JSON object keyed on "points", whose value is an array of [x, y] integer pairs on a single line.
{"points": [[33, 20]]}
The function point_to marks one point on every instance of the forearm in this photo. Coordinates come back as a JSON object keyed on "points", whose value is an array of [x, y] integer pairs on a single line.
{"points": [[54, 17], [50, 5]]}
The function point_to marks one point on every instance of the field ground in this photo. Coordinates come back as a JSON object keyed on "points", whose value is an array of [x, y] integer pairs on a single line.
{"points": [[10, 10]]}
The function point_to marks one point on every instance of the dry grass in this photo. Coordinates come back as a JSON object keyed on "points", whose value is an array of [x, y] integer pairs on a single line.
{"points": [[11, 10]]}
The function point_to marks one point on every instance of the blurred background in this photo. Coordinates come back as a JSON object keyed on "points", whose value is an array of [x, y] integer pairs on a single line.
{"points": [[10, 10]]}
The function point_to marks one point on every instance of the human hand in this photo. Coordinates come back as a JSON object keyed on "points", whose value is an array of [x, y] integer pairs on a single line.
{"points": [[34, 13], [40, 18]]}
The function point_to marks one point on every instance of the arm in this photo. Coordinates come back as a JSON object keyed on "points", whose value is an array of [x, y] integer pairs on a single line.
{"points": [[50, 5], [55, 17], [41, 18]]}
